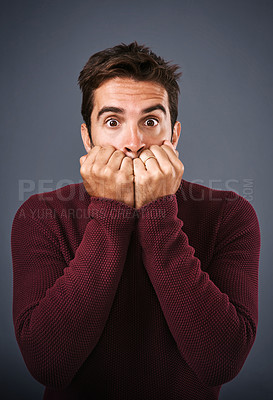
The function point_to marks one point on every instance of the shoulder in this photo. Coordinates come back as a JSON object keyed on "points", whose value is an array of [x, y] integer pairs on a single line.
{"points": [[226, 206], [192, 191], [51, 204]]}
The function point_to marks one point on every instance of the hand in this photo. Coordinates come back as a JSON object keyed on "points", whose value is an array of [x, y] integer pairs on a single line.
{"points": [[107, 172], [161, 176]]}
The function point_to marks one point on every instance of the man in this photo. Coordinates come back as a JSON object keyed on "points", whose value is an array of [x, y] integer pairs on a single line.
{"points": [[135, 284]]}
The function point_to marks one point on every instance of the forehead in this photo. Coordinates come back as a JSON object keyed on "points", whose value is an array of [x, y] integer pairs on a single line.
{"points": [[128, 92]]}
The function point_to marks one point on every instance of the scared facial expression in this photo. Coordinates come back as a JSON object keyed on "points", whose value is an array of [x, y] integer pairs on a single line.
{"points": [[131, 116]]}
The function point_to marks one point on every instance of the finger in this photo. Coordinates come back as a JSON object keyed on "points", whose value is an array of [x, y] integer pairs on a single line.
{"points": [[171, 154], [162, 158], [139, 167], [91, 156], [148, 159], [103, 155], [145, 154], [127, 165], [168, 143], [115, 160], [177, 164]]}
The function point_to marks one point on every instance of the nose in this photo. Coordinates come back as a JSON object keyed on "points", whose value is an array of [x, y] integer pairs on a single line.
{"points": [[133, 143]]}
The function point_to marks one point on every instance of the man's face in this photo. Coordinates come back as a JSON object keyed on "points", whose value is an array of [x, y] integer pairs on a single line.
{"points": [[131, 116]]}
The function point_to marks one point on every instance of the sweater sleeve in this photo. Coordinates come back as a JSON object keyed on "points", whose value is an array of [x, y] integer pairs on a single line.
{"points": [[212, 315], [60, 309]]}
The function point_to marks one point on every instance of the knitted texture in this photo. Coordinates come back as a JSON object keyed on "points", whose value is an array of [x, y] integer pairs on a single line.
{"points": [[159, 303]]}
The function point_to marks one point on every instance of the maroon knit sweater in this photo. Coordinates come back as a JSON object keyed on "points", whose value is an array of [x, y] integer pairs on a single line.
{"points": [[115, 303]]}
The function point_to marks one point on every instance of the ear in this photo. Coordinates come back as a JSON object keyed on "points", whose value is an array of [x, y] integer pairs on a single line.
{"points": [[176, 133], [85, 138]]}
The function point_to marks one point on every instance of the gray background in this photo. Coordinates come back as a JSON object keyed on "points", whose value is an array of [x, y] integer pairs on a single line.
{"points": [[224, 49]]}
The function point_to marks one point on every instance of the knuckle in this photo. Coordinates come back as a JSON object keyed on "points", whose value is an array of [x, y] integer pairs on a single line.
{"points": [[168, 171], [141, 179], [178, 165], [96, 170], [83, 171], [155, 173], [122, 176], [125, 178], [107, 172]]}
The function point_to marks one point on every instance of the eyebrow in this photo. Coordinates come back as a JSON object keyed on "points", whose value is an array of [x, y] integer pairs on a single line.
{"points": [[106, 109], [153, 108], [118, 110]]}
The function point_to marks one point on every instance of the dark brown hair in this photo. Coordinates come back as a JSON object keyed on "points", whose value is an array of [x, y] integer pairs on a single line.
{"points": [[129, 61]]}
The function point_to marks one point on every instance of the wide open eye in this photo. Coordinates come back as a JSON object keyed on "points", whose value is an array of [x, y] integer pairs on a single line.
{"points": [[151, 122], [112, 123]]}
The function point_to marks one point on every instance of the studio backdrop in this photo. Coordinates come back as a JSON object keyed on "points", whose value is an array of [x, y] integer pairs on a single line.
{"points": [[225, 108]]}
